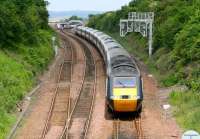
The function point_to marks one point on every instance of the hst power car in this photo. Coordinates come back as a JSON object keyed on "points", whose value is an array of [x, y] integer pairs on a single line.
{"points": [[123, 83]]}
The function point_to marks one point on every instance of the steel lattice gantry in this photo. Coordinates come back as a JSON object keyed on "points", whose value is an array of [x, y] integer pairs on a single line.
{"points": [[141, 22]]}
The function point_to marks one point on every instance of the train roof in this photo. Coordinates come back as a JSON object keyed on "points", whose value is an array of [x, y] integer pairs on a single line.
{"points": [[121, 60], [94, 31], [108, 46], [112, 43], [118, 52], [104, 37], [124, 71], [97, 34], [88, 29], [118, 59]]}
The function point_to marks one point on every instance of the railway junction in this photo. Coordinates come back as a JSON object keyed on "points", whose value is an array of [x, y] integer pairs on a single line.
{"points": [[71, 101]]}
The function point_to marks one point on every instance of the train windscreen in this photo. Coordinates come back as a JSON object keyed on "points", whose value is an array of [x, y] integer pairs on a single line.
{"points": [[124, 82]]}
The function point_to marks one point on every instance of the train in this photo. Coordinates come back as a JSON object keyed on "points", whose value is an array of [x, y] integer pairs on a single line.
{"points": [[124, 89], [69, 24]]}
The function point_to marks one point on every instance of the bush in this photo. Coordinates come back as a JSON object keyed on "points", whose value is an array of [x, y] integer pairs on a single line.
{"points": [[170, 80], [17, 76]]}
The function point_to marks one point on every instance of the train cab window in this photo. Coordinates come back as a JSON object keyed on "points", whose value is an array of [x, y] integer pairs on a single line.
{"points": [[124, 82]]}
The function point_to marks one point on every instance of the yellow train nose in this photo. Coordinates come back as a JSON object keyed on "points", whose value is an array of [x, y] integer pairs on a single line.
{"points": [[125, 105], [125, 99]]}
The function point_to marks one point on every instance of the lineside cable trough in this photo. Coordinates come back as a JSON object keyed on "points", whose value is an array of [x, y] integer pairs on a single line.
{"points": [[141, 22], [55, 47]]}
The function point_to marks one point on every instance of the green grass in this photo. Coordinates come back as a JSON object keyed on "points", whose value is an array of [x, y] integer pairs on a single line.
{"points": [[14, 81], [6, 122], [19, 69], [187, 109]]}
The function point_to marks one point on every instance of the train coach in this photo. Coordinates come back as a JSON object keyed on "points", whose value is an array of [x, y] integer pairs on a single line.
{"points": [[124, 91]]}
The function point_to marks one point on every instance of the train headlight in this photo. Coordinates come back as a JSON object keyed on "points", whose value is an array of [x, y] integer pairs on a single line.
{"points": [[114, 97], [138, 97]]}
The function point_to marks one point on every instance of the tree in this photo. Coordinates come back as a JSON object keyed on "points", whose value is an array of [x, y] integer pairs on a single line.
{"points": [[74, 17]]}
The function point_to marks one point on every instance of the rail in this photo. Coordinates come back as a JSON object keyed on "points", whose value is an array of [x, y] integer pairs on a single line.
{"points": [[65, 133], [45, 130]]}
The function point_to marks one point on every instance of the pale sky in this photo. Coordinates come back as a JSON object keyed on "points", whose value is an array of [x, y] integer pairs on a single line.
{"points": [[91, 5]]}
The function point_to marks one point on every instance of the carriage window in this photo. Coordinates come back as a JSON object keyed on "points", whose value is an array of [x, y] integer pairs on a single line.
{"points": [[124, 82]]}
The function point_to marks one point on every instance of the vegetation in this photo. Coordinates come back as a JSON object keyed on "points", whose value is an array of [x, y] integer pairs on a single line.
{"points": [[24, 52], [187, 110], [75, 18], [176, 36], [176, 57]]}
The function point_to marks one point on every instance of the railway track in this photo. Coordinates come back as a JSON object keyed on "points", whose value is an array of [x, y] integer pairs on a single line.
{"points": [[83, 109], [60, 105], [138, 127], [79, 120], [116, 128], [128, 129]]}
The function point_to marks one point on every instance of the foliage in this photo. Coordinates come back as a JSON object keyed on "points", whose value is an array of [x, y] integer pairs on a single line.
{"points": [[74, 17], [20, 20], [176, 45], [25, 51], [176, 57], [187, 109], [18, 76]]}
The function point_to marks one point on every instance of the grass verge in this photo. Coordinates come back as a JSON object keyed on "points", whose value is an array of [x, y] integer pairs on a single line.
{"points": [[186, 109], [18, 74]]}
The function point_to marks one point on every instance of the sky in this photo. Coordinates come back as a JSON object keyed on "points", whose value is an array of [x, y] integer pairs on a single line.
{"points": [[86, 5]]}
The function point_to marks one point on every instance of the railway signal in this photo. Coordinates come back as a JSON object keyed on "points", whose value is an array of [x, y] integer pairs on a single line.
{"points": [[141, 22]]}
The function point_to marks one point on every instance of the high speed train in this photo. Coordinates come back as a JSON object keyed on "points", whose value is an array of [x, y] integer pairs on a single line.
{"points": [[123, 81]]}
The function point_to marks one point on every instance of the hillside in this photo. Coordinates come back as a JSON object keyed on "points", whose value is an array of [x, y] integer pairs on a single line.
{"points": [[25, 40], [176, 56]]}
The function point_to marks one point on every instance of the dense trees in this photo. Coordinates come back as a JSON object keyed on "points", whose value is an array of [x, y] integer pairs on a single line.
{"points": [[75, 18], [176, 36], [25, 40], [20, 21]]}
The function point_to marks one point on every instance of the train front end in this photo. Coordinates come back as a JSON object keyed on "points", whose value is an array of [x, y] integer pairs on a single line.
{"points": [[125, 94]]}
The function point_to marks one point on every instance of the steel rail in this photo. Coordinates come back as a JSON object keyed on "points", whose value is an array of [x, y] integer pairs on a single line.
{"points": [[93, 100], [116, 125], [87, 123], [52, 106], [54, 97], [138, 127], [66, 128]]}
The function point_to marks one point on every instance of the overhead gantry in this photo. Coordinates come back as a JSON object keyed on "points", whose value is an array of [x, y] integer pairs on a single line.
{"points": [[141, 22]]}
